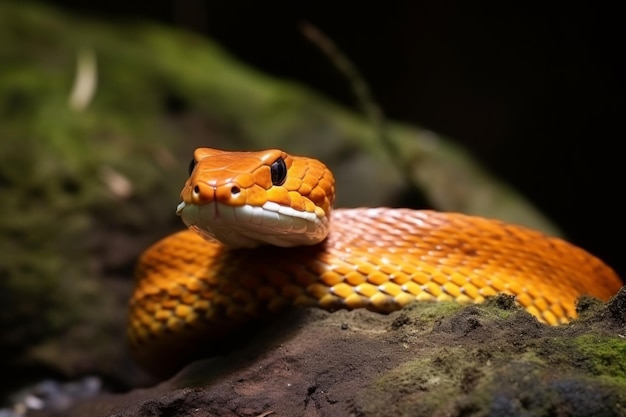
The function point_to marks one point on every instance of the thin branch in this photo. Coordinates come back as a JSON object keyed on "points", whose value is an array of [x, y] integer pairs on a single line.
{"points": [[361, 90]]}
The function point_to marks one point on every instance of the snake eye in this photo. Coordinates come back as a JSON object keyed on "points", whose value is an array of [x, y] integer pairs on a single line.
{"points": [[279, 171], [192, 165]]}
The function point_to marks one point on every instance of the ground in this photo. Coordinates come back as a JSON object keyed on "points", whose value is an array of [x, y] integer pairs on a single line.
{"points": [[430, 359]]}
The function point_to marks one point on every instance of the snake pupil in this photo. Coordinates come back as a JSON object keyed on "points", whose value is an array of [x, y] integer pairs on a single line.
{"points": [[279, 171], [192, 165]]}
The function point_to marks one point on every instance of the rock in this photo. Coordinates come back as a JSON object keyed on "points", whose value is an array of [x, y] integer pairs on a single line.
{"points": [[429, 359]]}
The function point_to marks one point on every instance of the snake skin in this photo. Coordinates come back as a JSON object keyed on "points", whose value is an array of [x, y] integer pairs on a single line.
{"points": [[189, 290]]}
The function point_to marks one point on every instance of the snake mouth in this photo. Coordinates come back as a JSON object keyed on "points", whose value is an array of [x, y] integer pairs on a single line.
{"points": [[248, 226]]}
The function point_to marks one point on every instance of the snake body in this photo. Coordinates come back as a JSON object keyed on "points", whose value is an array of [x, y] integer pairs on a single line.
{"points": [[260, 240]]}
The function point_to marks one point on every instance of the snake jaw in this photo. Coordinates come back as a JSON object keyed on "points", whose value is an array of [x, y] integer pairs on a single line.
{"points": [[247, 199], [249, 226]]}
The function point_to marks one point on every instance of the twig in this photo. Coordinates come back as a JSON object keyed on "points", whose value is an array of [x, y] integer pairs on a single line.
{"points": [[361, 90]]}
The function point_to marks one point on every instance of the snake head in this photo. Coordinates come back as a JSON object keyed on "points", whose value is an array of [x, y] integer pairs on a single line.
{"points": [[245, 199]]}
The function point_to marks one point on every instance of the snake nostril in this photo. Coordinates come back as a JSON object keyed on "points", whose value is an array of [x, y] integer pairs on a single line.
{"points": [[235, 190], [196, 189]]}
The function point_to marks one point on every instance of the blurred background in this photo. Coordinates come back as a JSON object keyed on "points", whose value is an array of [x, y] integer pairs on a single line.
{"points": [[533, 94]]}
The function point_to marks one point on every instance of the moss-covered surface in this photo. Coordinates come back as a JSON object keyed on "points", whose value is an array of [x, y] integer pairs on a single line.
{"points": [[556, 373], [602, 356], [430, 359]]}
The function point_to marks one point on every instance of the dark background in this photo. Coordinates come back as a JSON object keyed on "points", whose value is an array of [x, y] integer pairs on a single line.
{"points": [[534, 92]]}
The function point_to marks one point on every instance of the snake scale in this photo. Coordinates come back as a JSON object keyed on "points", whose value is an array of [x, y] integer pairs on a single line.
{"points": [[260, 239]]}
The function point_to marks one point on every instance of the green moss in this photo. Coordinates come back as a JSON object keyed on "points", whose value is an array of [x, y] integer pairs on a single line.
{"points": [[428, 381], [455, 380], [604, 355], [429, 312]]}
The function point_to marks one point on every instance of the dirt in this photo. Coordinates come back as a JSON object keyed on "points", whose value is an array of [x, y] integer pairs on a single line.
{"points": [[430, 359]]}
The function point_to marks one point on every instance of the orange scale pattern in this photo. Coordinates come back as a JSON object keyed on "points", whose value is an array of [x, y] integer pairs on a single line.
{"points": [[189, 290]]}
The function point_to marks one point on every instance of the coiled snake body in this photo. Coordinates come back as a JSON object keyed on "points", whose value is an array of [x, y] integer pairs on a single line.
{"points": [[260, 239]]}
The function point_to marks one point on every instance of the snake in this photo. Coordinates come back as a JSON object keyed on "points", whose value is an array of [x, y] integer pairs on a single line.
{"points": [[262, 237]]}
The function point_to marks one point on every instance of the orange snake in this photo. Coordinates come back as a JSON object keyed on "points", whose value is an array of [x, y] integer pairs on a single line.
{"points": [[190, 290]]}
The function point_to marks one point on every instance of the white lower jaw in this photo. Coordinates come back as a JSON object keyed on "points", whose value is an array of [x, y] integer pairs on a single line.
{"points": [[249, 226]]}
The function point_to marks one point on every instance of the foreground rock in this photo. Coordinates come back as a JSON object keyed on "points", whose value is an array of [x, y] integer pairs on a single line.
{"points": [[429, 359]]}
